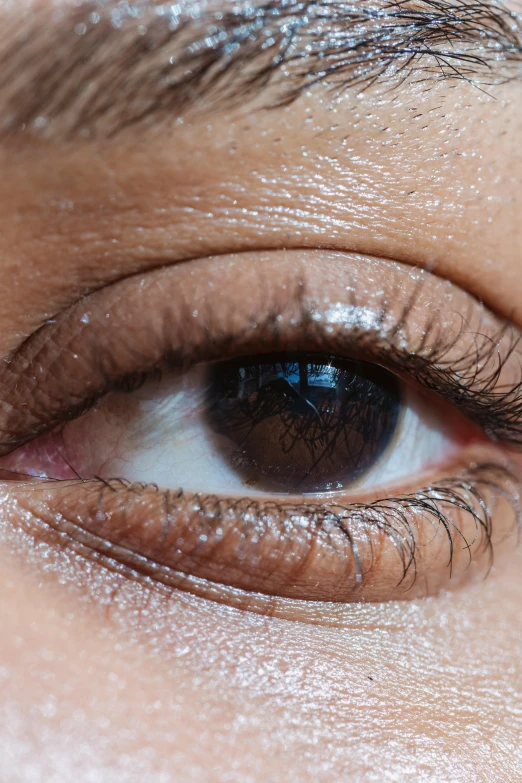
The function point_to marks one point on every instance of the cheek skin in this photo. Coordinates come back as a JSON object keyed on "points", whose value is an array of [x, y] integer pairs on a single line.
{"points": [[102, 676]]}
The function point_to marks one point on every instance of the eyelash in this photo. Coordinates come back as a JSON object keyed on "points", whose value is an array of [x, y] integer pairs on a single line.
{"points": [[469, 381], [469, 493], [391, 515], [469, 378], [465, 369]]}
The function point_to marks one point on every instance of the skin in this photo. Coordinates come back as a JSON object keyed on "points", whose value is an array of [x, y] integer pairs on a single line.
{"points": [[103, 677]]}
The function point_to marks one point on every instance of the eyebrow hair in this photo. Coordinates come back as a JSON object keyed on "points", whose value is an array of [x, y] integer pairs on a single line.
{"points": [[100, 66]]}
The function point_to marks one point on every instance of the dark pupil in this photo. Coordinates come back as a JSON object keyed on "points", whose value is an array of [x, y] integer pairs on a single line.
{"points": [[298, 424]]}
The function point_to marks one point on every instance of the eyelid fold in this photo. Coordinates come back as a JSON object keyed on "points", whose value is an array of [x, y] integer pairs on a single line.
{"points": [[404, 318]]}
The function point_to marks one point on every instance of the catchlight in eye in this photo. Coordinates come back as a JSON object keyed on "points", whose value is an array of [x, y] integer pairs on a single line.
{"points": [[302, 424]]}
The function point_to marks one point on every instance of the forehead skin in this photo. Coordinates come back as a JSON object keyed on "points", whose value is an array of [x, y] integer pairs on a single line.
{"points": [[102, 677]]}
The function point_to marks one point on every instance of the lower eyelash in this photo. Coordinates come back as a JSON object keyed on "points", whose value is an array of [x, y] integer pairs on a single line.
{"points": [[360, 546]]}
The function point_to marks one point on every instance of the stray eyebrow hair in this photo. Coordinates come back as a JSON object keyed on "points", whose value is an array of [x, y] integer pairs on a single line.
{"points": [[101, 65]]}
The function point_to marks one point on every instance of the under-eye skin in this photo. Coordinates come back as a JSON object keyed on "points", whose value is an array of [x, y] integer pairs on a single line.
{"points": [[328, 522]]}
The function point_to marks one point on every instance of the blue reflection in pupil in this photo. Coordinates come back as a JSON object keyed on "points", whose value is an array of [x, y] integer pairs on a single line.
{"points": [[302, 425], [298, 375]]}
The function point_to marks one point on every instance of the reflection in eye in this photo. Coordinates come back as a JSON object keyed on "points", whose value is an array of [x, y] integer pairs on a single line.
{"points": [[302, 424], [298, 424]]}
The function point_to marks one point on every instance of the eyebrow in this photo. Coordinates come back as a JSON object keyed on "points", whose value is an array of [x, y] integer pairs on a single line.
{"points": [[100, 66]]}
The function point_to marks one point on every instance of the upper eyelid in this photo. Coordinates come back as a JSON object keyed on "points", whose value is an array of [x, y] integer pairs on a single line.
{"points": [[40, 384]]}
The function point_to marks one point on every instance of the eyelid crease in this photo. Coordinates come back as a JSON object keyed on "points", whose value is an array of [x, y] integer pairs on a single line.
{"points": [[116, 337]]}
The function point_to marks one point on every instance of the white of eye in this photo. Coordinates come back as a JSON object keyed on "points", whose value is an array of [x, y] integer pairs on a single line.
{"points": [[159, 435]]}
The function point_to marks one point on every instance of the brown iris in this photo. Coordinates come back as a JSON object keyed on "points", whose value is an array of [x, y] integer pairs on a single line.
{"points": [[302, 423]]}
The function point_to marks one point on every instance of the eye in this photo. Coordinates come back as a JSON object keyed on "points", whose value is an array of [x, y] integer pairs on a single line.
{"points": [[308, 428], [292, 424], [326, 450]]}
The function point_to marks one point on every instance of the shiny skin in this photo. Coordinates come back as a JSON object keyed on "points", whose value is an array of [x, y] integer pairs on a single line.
{"points": [[107, 678]]}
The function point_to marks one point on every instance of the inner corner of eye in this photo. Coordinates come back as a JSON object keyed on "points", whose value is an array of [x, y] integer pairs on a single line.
{"points": [[287, 423]]}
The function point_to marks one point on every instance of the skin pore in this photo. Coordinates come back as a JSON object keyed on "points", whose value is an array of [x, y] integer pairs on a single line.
{"points": [[107, 677]]}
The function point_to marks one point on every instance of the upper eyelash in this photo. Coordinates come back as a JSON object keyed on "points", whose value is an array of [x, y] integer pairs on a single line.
{"points": [[470, 381], [469, 377]]}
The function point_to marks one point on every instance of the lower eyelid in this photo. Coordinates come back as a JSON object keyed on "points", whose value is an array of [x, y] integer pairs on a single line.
{"points": [[399, 548]]}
